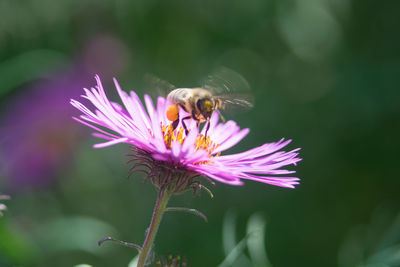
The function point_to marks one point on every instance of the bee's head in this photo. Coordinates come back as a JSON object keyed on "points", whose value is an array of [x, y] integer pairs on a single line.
{"points": [[206, 106]]}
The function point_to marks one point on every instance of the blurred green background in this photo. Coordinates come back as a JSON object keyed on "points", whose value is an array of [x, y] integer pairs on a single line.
{"points": [[325, 73]]}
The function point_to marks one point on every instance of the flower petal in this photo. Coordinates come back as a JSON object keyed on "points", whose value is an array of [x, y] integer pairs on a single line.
{"points": [[142, 127]]}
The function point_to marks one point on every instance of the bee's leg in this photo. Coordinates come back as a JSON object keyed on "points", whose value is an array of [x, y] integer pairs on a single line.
{"points": [[208, 127], [222, 117], [184, 125], [175, 124], [196, 119]]}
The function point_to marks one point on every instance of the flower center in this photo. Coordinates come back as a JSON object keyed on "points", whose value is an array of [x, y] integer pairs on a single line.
{"points": [[202, 142]]}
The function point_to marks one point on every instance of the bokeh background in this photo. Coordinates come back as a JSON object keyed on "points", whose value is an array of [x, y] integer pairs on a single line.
{"points": [[325, 73]]}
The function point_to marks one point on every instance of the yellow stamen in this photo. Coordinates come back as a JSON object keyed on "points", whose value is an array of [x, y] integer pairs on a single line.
{"points": [[177, 135]]}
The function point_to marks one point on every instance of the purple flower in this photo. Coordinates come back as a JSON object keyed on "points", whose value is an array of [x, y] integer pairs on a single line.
{"points": [[39, 138], [161, 149]]}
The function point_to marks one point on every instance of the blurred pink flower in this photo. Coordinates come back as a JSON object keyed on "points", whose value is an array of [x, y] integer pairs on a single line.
{"points": [[192, 155], [38, 137]]}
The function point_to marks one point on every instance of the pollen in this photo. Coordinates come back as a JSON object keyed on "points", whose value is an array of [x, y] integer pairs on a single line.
{"points": [[205, 143], [173, 113], [171, 135], [178, 134]]}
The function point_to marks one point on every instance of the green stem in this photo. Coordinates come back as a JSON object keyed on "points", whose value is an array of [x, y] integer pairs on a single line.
{"points": [[159, 208]]}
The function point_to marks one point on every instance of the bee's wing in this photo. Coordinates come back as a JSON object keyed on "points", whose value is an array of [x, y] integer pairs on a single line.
{"points": [[157, 87], [231, 88], [234, 103], [223, 81]]}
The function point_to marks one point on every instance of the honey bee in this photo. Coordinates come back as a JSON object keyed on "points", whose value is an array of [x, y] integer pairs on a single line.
{"points": [[218, 92], [198, 102]]}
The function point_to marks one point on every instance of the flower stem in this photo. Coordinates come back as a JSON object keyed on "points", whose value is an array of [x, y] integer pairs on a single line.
{"points": [[159, 208]]}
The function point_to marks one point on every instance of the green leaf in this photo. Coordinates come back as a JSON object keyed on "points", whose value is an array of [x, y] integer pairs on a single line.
{"points": [[72, 233], [26, 67]]}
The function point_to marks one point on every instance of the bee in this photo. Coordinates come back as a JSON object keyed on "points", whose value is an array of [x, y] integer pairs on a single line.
{"points": [[198, 102], [218, 92]]}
